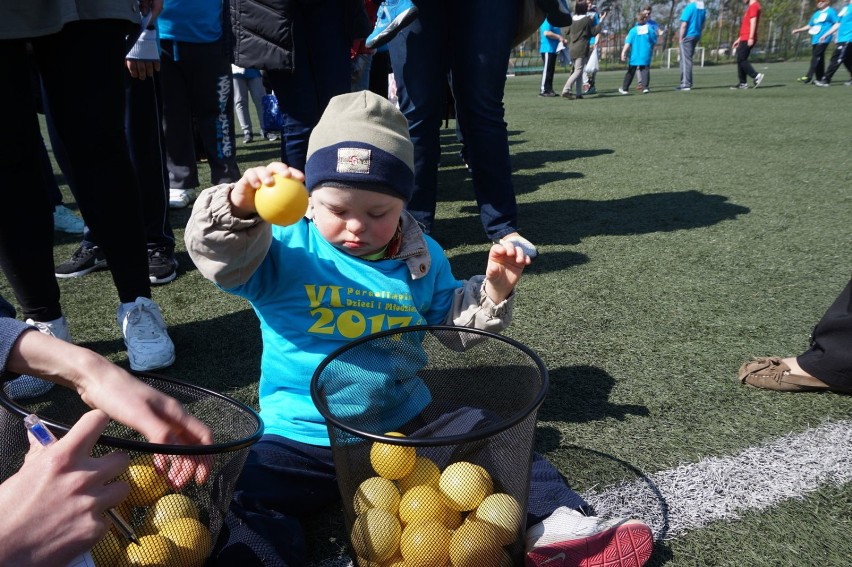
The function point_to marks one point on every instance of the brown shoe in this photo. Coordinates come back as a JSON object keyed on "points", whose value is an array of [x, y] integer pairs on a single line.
{"points": [[771, 373]]}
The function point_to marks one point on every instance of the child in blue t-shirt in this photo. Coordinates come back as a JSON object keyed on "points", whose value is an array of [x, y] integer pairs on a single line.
{"points": [[821, 21], [356, 264], [639, 43]]}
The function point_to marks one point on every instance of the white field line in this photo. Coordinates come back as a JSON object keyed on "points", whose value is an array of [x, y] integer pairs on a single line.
{"points": [[676, 501]]}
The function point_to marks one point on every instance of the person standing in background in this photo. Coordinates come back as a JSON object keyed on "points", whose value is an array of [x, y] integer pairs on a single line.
{"points": [[551, 39], [691, 25], [744, 44], [197, 88], [842, 53], [821, 21], [248, 85]]}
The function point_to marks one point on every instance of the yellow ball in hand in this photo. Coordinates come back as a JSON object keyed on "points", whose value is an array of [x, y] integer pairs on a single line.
{"points": [[282, 203]]}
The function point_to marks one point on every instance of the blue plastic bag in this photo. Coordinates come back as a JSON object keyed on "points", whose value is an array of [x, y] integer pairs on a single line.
{"points": [[271, 121]]}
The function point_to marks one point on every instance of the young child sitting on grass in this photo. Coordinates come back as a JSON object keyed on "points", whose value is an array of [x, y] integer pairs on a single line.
{"points": [[303, 282]]}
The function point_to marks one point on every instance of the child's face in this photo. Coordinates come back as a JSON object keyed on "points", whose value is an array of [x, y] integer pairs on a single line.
{"points": [[357, 221]]}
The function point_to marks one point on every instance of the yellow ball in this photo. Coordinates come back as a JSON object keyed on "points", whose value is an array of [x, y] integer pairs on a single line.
{"points": [[392, 461], [376, 492], [152, 551], [109, 551], [475, 544], [375, 535], [169, 507], [465, 485], [425, 471], [146, 484], [422, 504], [425, 544], [192, 540], [282, 203], [502, 512]]}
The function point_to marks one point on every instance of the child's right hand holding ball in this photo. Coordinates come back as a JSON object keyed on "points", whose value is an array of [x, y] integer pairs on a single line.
{"points": [[275, 192]]}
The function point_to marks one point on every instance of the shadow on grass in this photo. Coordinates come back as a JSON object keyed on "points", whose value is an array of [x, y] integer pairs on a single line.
{"points": [[572, 220], [579, 394]]}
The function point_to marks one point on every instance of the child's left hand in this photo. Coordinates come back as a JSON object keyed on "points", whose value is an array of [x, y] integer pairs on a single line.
{"points": [[506, 263]]}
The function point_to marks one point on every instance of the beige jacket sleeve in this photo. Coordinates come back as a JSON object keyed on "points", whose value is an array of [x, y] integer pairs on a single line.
{"points": [[226, 250]]}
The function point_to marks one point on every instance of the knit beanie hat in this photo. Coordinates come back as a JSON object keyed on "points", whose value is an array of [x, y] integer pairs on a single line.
{"points": [[361, 142]]}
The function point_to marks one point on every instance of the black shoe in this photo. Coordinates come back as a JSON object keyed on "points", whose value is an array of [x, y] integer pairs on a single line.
{"points": [[162, 266], [83, 261], [548, 94], [248, 139]]}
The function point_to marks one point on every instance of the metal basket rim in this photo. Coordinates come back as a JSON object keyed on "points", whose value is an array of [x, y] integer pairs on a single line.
{"points": [[161, 448], [484, 433]]}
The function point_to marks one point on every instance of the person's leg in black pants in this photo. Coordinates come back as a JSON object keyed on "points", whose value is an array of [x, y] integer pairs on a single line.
{"points": [[744, 67], [26, 233], [817, 67], [830, 355]]}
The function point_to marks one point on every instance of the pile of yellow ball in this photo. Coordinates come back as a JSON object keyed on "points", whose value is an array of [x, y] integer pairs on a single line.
{"points": [[170, 533], [415, 515]]}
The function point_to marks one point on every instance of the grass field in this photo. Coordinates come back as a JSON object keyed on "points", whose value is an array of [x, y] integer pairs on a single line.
{"points": [[679, 234]]}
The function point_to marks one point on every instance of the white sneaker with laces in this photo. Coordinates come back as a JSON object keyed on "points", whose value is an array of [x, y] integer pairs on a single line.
{"points": [[148, 344], [181, 198], [66, 221], [26, 386]]}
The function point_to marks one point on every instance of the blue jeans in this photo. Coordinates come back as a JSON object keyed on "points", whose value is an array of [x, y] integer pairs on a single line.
{"points": [[471, 41], [322, 69], [687, 50]]}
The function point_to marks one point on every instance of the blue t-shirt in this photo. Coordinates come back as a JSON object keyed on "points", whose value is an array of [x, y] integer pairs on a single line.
{"points": [[641, 39], [844, 33], [192, 21], [596, 19], [821, 22], [311, 299], [694, 15], [548, 45]]}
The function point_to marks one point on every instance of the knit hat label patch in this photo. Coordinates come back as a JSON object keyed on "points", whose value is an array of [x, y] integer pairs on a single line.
{"points": [[353, 160]]}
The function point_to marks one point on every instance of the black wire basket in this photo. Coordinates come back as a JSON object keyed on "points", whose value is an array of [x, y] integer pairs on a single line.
{"points": [[176, 526], [432, 431]]}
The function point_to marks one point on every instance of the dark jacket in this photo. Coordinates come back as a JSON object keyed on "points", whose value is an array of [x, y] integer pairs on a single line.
{"points": [[581, 31], [263, 30]]}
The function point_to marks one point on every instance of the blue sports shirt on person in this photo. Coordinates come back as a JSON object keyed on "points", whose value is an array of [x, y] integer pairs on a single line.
{"points": [[548, 44], [191, 21], [311, 299], [694, 14], [844, 33], [820, 23], [641, 39], [595, 21]]}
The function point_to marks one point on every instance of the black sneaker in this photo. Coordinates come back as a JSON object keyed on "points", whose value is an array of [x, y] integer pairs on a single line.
{"points": [[83, 261], [162, 266]]}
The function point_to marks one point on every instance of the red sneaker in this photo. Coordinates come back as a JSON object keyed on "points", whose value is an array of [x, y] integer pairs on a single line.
{"points": [[626, 544]]}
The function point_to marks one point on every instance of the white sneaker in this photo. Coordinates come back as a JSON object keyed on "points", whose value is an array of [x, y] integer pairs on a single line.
{"points": [[622, 91], [26, 386], [567, 537], [66, 221], [148, 344], [181, 198]]}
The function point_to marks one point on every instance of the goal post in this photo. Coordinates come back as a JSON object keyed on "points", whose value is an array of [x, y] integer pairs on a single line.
{"points": [[698, 55]]}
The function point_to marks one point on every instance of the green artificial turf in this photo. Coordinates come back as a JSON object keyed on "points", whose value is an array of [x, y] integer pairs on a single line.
{"points": [[679, 234]]}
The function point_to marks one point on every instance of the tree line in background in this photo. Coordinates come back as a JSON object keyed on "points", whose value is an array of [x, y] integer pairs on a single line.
{"points": [[775, 42]]}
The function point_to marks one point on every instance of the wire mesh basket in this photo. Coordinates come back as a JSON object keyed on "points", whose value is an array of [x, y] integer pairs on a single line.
{"points": [[432, 431], [175, 526]]}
